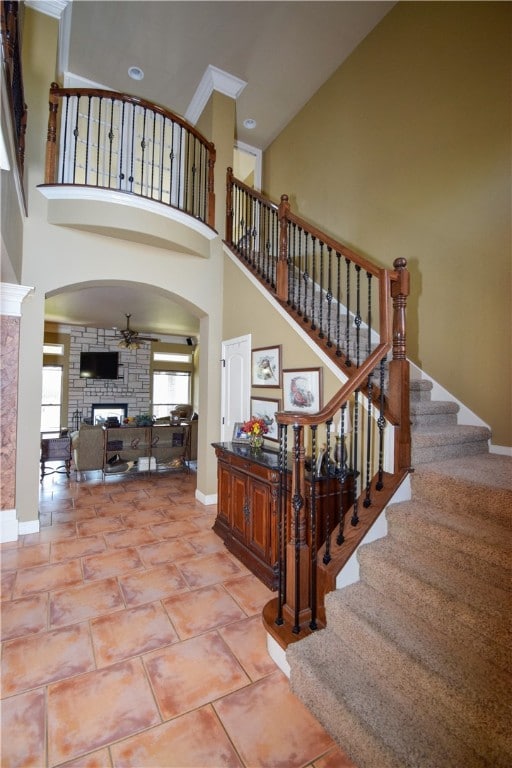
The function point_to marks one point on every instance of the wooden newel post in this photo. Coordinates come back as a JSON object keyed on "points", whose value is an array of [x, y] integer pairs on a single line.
{"points": [[51, 139], [212, 156], [399, 367], [229, 206], [282, 263], [296, 609]]}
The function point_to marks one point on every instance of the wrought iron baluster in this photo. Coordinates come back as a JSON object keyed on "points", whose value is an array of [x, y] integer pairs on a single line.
{"points": [[132, 151], [313, 282], [65, 148], [121, 148], [357, 319], [348, 264], [87, 142], [76, 133], [329, 296], [282, 521], [99, 144], [355, 458], [111, 141], [338, 304], [327, 520], [143, 151], [369, 313], [313, 527], [297, 504], [368, 501], [306, 278], [381, 423], [321, 333]]}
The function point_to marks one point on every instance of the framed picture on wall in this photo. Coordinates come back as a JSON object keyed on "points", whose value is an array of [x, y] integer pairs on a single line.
{"points": [[239, 436], [302, 390], [266, 408], [266, 367]]}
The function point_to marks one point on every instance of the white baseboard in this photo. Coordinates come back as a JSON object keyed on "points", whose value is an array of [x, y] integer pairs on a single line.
{"points": [[206, 498], [278, 655], [8, 526], [31, 526], [502, 450]]}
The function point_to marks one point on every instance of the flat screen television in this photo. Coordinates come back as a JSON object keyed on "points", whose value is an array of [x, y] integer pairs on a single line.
{"points": [[99, 365]]}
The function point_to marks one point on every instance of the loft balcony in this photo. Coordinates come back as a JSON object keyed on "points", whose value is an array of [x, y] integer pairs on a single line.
{"points": [[126, 168]]}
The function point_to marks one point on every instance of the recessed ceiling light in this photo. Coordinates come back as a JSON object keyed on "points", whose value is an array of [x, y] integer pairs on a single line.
{"points": [[250, 123], [135, 73]]}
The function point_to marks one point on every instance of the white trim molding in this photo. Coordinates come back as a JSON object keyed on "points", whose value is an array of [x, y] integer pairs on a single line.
{"points": [[214, 79], [11, 298], [53, 8], [8, 526]]}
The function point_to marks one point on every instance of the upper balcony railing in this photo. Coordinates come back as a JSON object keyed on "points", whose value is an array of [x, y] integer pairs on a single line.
{"points": [[113, 141]]}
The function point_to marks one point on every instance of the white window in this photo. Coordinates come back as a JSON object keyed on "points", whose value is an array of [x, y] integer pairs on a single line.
{"points": [[52, 400], [169, 389]]}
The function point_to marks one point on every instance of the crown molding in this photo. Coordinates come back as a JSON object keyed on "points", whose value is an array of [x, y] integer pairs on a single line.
{"points": [[53, 8], [214, 79], [11, 298]]}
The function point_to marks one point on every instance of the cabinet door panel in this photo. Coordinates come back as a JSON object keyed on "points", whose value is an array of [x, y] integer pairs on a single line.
{"points": [[224, 487], [239, 507], [258, 526]]}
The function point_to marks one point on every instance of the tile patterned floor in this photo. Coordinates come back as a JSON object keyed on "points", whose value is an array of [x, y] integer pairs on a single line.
{"points": [[132, 639]]}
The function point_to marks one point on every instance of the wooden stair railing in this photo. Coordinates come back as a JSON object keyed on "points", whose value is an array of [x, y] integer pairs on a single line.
{"points": [[11, 51], [114, 141], [317, 280]]}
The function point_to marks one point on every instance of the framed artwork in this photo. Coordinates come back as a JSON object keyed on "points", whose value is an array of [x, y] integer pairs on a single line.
{"points": [[302, 390], [238, 435], [265, 408], [266, 367]]}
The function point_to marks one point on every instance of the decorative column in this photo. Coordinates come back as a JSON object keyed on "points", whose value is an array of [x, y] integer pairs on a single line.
{"points": [[11, 298]]}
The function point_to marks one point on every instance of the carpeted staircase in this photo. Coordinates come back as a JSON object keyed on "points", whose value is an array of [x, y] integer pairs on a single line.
{"points": [[413, 669]]}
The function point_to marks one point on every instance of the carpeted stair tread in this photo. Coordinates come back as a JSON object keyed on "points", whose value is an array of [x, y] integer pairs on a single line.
{"points": [[437, 442], [479, 485], [469, 547], [402, 717], [420, 389], [460, 679], [425, 413], [390, 572]]}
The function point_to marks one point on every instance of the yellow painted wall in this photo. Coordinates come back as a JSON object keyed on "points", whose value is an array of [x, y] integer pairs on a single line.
{"points": [[406, 152]]}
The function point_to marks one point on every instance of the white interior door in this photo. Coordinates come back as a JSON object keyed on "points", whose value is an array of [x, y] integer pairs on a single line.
{"points": [[236, 384]]}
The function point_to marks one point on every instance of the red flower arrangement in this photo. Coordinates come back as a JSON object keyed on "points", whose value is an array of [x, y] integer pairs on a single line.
{"points": [[255, 427]]}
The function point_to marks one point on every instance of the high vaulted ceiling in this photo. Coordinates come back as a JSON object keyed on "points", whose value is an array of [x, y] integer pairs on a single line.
{"points": [[283, 51]]}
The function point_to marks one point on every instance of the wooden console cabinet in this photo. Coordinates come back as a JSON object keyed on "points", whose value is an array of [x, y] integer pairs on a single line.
{"points": [[247, 506]]}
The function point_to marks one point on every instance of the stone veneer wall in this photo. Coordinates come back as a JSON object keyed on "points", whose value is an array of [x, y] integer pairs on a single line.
{"points": [[133, 386], [10, 332]]}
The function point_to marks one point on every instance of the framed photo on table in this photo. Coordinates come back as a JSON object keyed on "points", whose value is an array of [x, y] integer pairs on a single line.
{"points": [[302, 390], [238, 435], [265, 408], [266, 367]]}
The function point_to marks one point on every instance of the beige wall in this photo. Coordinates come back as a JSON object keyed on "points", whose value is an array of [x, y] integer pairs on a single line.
{"points": [[405, 152]]}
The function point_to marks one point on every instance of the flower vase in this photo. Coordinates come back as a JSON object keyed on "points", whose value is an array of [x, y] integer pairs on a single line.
{"points": [[256, 442]]}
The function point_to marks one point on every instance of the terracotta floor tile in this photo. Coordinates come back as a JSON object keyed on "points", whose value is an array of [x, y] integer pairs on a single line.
{"points": [[148, 586], [25, 557], [69, 549], [174, 529], [100, 525], [130, 633], [206, 542], [24, 617], [53, 655], [115, 508], [89, 711], [69, 606], [194, 740], [203, 609], [201, 670], [269, 726], [54, 533], [250, 593], [248, 642], [23, 729], [142, 517], [166, 551], [133, 537], [7, 585], [111, 563], [47, 577], [118, 495], [335, 758], [152, 503], [83, 513], [99, 759], [209, 569]]}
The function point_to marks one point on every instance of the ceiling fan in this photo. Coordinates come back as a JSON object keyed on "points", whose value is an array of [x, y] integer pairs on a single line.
{"points": [[131, 339]]}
